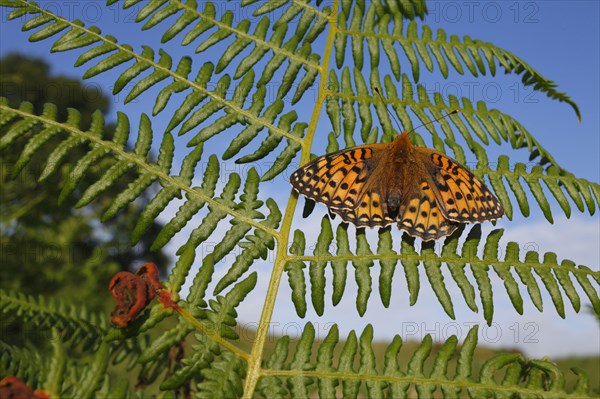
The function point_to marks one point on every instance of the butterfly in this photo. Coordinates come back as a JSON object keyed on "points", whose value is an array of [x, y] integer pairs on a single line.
{"points": [[425, 192]]}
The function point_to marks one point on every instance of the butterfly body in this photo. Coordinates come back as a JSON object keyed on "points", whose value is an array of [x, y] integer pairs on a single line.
{"points": [[422, 190]]}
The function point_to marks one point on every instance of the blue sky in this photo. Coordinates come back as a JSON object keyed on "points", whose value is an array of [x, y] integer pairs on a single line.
{"points": [[558, 38]]}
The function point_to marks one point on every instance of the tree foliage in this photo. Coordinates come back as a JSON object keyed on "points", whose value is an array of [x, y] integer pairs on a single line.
{"points": [[53, 248]]}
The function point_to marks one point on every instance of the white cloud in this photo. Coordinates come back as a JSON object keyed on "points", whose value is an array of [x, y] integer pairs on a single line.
{"points": [[577, 238]]}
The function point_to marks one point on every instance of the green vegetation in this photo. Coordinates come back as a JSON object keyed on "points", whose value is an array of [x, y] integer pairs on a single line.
{"points": [[108, 173], [50, 248]]}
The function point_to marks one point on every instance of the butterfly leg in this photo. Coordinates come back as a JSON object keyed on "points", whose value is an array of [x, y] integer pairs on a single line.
{"points": [[309, 206]]}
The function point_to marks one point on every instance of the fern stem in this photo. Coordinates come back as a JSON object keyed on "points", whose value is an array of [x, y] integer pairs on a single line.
{"points": [[443, 259], [254, 370], [467, 384]]}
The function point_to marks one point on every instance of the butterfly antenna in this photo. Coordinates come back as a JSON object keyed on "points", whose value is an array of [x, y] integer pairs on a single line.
{"points": [[376, 89], [456, 111]]}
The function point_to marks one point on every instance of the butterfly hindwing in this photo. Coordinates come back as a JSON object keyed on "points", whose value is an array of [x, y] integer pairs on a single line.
{"points": [[369, 212], [462, 196], [421, 216]]}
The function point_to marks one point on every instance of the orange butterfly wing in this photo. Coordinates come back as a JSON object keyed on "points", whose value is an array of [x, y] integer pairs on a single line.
{"points": [[422, 217], [370, 211], [461, 195], [338, 180]]}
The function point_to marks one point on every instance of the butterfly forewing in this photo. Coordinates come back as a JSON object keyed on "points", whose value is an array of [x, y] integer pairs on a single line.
{"points": [[462, 196], [338, 180]]}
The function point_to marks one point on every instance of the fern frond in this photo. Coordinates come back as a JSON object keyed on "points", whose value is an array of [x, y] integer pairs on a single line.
{"points": [[256, 246], [192, 205], [147, 170], [232, 238], [223, 379], [216, 316], [203, 356], [228, 100], [55, 373], [561, 184], [222, 315], [295, 272], [552, 273], [274, 387], [522, 378], [221, 28], [120, 390], [75, 324], [78, 36], [92, 374], [374, 24], [484, 123], [411, 9], [531, 77], [317, 268], [162, 343], [22, 362]]}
